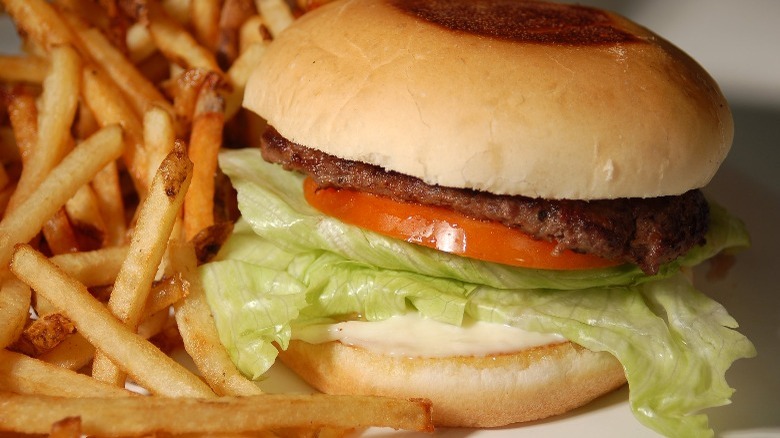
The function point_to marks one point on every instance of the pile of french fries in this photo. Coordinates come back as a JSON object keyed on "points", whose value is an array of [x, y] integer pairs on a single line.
{"points": [[111, 121]]}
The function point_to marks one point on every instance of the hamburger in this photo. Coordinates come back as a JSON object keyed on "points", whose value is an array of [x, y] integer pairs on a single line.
{"points": [[492, 204]]}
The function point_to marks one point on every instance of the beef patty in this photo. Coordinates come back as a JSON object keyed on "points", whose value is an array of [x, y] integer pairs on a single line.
{"points": [[644, 231]]}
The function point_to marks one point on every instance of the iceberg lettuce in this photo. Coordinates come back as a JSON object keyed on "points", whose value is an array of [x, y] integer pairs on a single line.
{"points": [[287, 265]]}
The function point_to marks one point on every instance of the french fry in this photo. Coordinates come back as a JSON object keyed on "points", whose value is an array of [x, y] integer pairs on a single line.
{"points": [[87, 10], [110, 106], [141, 360], [14, 306], [43, 334], [238, 74], [40, 21], [167, 292], [108, 195], [277, 15], [75, 170], [5, 197], [30, 69], [163, 294], [58, 108], [59, 234], [157, 214], [173, 40], [118, 22], [179, 10], [185, 88], [209, 240], [133, 416], [73, 353], [23, 115], [205, 18], [231, 19], [199, 332], [17, 147], [86, 219], [140, 92], [322, 432], [105, 186], [154, 325], [140, 45], [103, 15], [86, 124], [159, 138], [25, 375], [252, 31], [69, 427], [59, 104], [93, 268], [205, 141], [308, 5]]}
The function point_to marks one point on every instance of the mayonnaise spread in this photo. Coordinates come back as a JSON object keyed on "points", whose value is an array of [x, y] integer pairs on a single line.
{"points": [[413, 336]]}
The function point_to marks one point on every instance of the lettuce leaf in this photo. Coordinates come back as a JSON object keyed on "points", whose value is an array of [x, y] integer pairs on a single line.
{"points": [[286, 265]]}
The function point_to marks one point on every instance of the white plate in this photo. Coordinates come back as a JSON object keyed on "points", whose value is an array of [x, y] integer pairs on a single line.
{"points": [[748, 185]]}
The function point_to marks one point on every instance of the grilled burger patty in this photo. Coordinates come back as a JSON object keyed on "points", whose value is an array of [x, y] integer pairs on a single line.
{"points": [[644, 231]]}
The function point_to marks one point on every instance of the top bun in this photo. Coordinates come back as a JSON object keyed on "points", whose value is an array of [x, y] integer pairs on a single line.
{"points": [[508, 97]]}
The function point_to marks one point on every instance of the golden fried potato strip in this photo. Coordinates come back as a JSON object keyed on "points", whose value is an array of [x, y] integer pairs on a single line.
{"points": [[25, 375], [14, 304], [141, 360], [75, 170], [205, 142], [23, 68], [55, 116], [40, 21], [133, 416], [199, 332], [157, 215]]}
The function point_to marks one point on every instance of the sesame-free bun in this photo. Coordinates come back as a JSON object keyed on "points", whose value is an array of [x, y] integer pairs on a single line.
{"points": [[552, 101], [484, 391]]}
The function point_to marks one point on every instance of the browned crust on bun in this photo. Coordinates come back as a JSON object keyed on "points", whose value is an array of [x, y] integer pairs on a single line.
{"points": [[523, 21], [486, 391], [563, 109]]}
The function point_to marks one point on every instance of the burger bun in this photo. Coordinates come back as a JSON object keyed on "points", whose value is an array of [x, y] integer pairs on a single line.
{"points": [[484, 391], [602, 109]]}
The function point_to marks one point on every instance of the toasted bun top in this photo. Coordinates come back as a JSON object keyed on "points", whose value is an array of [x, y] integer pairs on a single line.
{"points": [[521, 98]]}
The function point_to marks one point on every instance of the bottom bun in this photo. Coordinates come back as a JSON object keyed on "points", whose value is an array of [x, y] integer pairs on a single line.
{"points": [[465, 391]]}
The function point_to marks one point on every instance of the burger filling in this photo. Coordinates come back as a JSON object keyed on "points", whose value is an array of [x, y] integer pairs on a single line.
{"points": [[647, 232], [288, 266]]}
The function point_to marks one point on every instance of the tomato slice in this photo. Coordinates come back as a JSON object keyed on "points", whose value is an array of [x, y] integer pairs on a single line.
{"points": [[445, 230]]}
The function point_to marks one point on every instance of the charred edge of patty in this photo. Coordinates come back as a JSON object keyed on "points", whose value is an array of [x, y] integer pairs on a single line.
{"points": [[647, 232]]}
